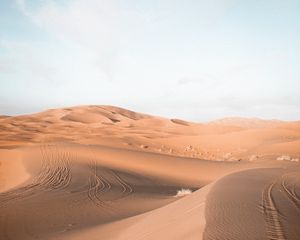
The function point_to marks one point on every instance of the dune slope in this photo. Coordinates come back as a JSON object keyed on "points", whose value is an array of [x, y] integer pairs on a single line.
{"points": [[103, 172]]}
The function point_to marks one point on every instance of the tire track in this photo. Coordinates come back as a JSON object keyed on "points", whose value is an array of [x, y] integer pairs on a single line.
{"points": [[126, 188], [59, 173], [98, 186], [291, 193], [55, 174], [28, 190], [95, 185], [275, 230]]}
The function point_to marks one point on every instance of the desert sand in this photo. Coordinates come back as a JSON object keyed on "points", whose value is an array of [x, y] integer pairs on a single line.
{"points": [[103, 172]]}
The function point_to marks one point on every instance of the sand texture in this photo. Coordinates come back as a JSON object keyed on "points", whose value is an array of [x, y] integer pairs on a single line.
{"points": [[103, 172]]}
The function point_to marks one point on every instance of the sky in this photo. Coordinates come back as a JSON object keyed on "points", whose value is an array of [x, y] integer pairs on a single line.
{"points": [[194, 59]]}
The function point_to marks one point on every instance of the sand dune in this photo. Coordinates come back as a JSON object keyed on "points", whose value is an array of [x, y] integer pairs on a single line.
{"points": [[103, 172], [12, 170], [255, 204]]}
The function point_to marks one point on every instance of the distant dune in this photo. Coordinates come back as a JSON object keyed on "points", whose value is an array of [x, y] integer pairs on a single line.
{"points": [[103, 172], [249, 122]]}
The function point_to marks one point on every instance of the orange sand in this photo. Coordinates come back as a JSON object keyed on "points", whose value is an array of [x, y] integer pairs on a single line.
{"points": [[102, 172]]}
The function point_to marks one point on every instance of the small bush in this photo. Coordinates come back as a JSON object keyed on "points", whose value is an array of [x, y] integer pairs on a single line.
{"points": [[284, 158], [183, 192], [287, 158]]}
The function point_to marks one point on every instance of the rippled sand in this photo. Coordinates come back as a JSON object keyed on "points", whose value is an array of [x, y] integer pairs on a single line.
{"points": [[102, 172]]}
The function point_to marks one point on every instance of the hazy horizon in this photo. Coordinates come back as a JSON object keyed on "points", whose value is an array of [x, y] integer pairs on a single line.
{"points": [[195, 60]]}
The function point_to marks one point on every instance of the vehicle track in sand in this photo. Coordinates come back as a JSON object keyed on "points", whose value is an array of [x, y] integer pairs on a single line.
{"points": [[97, 187], [58, 173], [54, 174], [127, 189], [289, 188], [103, 182], [274, 227]]}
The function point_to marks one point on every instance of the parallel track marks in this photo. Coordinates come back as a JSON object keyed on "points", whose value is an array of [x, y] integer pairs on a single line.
{"points": [[126, 188], [274, 227], [97, 186], [55, 174], [290, 192]]}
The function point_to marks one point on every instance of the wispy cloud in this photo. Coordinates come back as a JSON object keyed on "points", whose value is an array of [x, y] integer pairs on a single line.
{"points": [[191, 59], [98, 27]]}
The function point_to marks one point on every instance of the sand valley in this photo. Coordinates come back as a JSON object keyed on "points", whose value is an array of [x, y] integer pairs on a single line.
{"points": [[103, 172]]}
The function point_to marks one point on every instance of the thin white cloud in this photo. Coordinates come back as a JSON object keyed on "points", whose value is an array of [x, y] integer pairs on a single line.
{"points": [[22, 5], [169, 57], [98, 26]]}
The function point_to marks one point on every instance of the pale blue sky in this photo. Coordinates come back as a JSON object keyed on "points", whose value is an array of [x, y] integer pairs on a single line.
{"points": [[197, 60]]}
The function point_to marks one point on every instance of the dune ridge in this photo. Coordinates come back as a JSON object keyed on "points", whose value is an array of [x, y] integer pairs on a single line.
{"points": [[104, 172]]}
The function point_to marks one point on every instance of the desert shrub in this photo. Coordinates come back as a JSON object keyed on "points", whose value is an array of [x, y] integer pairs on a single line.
{"points": [[183, 192]]}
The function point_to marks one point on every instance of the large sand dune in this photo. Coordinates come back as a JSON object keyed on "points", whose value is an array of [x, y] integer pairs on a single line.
{"points": [[102, 172]]}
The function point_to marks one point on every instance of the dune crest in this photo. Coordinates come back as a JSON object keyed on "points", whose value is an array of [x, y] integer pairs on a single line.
{"points": [[104, 172]]}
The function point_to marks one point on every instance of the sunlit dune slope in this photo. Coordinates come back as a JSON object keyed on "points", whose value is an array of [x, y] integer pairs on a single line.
{"points": [[103, 172], [229, 139]]}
